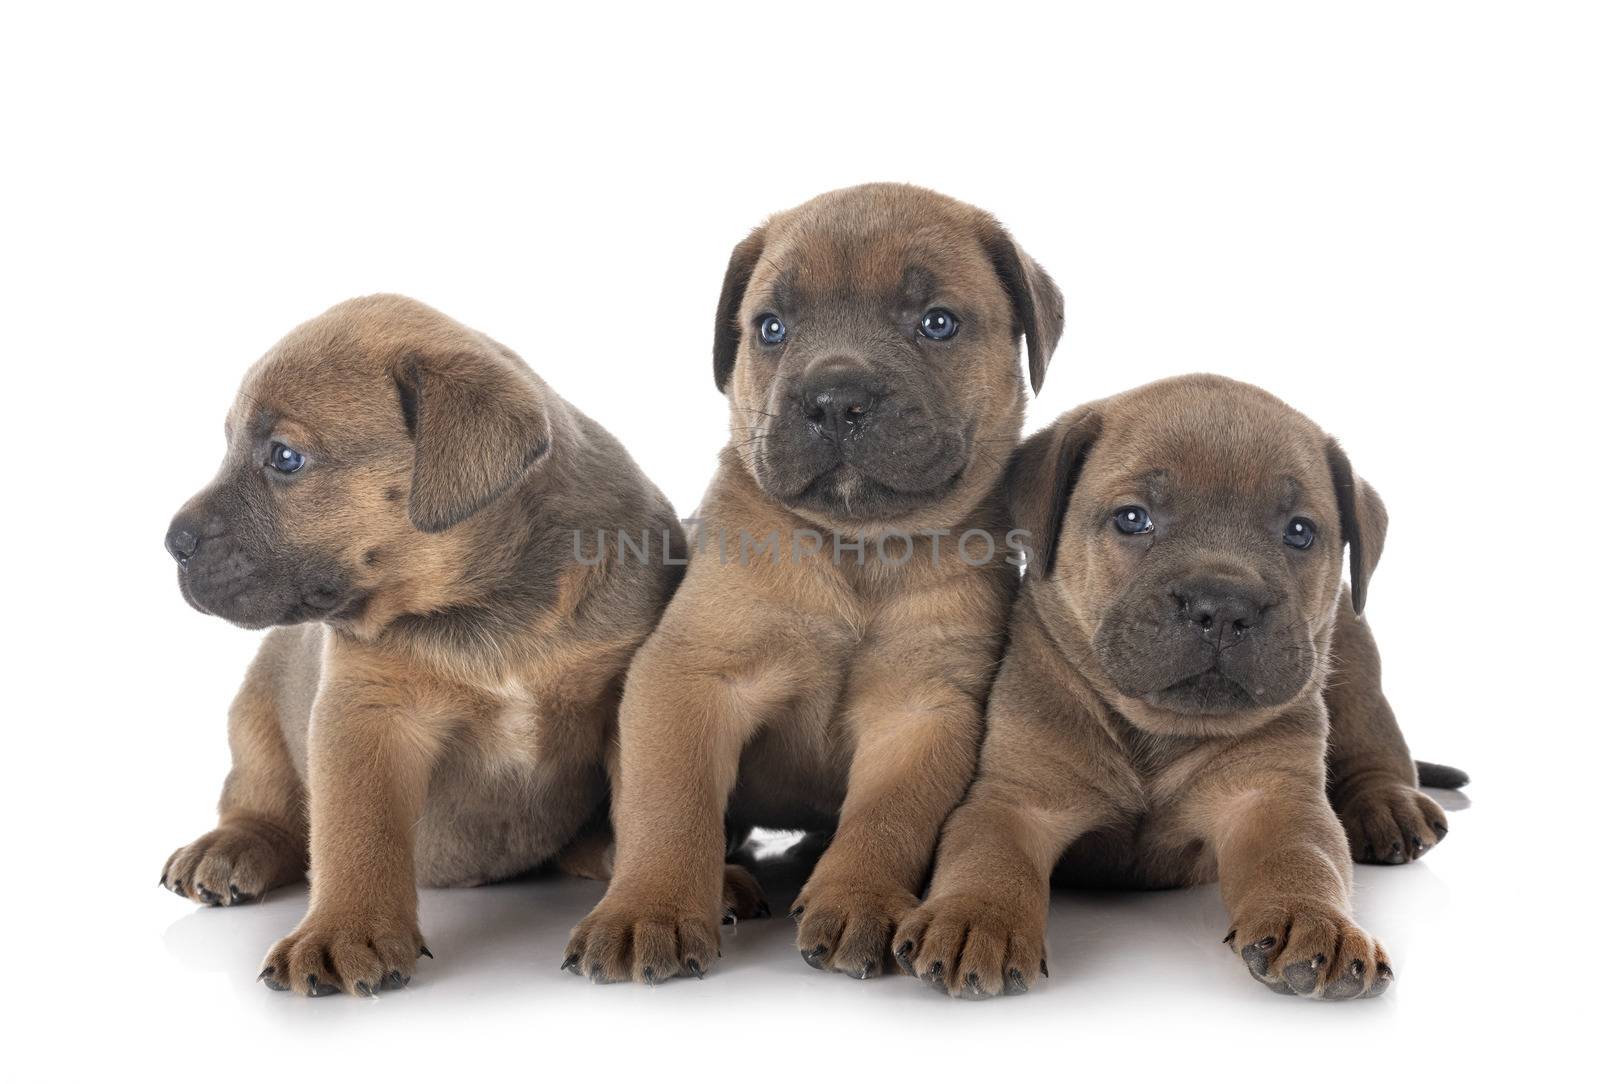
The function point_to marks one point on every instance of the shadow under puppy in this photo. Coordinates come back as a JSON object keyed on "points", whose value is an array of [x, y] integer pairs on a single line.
{"points": [[824, 665], [1161, 717], [400, 495]]}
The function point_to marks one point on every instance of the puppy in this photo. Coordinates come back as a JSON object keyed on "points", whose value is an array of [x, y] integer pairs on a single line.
{"points": [[824, 665], [1161, 717], [419, 517]]}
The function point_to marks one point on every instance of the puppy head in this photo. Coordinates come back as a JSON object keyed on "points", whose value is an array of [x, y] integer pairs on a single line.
{"points": [[1193, 534], [868, 344], [354, 449]]}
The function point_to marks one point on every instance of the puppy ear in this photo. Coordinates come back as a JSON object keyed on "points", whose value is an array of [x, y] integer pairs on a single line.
{"points": [[725, 344], [1363, 521], [1035, 299], [479, 422], [1040, 480]]}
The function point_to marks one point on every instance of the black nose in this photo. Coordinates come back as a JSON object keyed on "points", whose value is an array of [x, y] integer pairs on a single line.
{"points": [[1222, 610], [182, 542], [838, 398]]}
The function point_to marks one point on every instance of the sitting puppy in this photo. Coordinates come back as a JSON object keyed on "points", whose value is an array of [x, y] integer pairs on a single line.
{"points": [[825, 663], [1159, 718], [400, 495]]}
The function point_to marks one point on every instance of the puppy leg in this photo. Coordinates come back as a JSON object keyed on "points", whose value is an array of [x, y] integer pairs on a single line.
{"points": [[374, 741], [916, 749], [592, 855], [1372, 780], [261, 836], [682, 730], [1286, 880], [982, 930]]}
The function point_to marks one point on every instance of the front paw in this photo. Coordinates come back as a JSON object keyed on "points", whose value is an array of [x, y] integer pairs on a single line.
{"points": [[647, 941], [1309, 949], [849, 927], [1391, 823], [971, 947], [358, 954], [235, 863]]}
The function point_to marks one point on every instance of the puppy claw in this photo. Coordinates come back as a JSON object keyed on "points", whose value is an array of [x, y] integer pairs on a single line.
{"points": [[423, 951], [569, 964], [902, 956]]}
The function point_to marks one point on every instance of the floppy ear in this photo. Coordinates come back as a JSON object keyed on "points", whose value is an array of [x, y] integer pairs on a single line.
{"points": [[479, 422], [1040, 480], [725, 344], [1363, 521], [1035, 300]]}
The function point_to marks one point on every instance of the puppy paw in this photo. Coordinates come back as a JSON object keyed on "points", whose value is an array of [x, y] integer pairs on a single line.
{"points": [[1391, 823], [849, 927], [646, 942], [356, 954], [742, 898], [1308, 949], [235, 863], [970, 947]]}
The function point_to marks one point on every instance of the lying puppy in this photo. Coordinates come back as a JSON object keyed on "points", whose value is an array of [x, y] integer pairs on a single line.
{"points": [[824, 665], [400, 495], [1160, 718]]}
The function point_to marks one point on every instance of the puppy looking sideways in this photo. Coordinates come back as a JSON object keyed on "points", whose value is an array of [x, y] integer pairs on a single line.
{"points": [[1161, 717], [400, 495], [824, 665]]}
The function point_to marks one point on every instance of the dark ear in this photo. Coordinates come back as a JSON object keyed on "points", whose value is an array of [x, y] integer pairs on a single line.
{"points": [[725, 344], [479, 423], [1363, 521], [1040, 481], [1035, 300]]}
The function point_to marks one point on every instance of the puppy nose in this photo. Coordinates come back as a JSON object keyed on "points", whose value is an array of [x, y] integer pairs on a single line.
{"points": [[838, 398], [182, 542], [1220, 610]]}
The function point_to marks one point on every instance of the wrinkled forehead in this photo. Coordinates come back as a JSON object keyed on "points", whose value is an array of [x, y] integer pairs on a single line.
{"points": [[1217, 454], [922, 258]]}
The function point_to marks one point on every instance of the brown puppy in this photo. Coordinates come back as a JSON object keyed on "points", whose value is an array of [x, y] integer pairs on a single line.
{"points": [[824, 665], [1160, 716], [402, 495]]}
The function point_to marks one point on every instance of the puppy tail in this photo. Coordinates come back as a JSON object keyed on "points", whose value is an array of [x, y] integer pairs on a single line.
{"points": [[1441, 775]]}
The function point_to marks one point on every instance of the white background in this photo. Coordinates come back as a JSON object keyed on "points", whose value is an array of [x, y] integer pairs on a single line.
{"points": [[1385, 213]]}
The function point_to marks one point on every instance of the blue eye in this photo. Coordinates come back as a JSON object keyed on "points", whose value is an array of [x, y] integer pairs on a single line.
{"points": [[1131, 519], [772, 330], [1300, 533], [284, 459], [938, 325]]}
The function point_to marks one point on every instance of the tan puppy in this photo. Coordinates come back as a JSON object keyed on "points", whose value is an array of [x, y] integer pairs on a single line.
{"points": [[1160, 717], [824, 665], [406, 498]]}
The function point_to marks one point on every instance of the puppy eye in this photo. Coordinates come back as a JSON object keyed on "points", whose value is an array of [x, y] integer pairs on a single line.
{"points": [[1300, 533], [938, 325], [284, 459], [772, 330], [1131, 519]]}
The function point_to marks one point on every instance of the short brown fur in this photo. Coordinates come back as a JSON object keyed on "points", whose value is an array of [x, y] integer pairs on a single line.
{"points": [[809, 692], [438, 702], [1112, 762]]}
